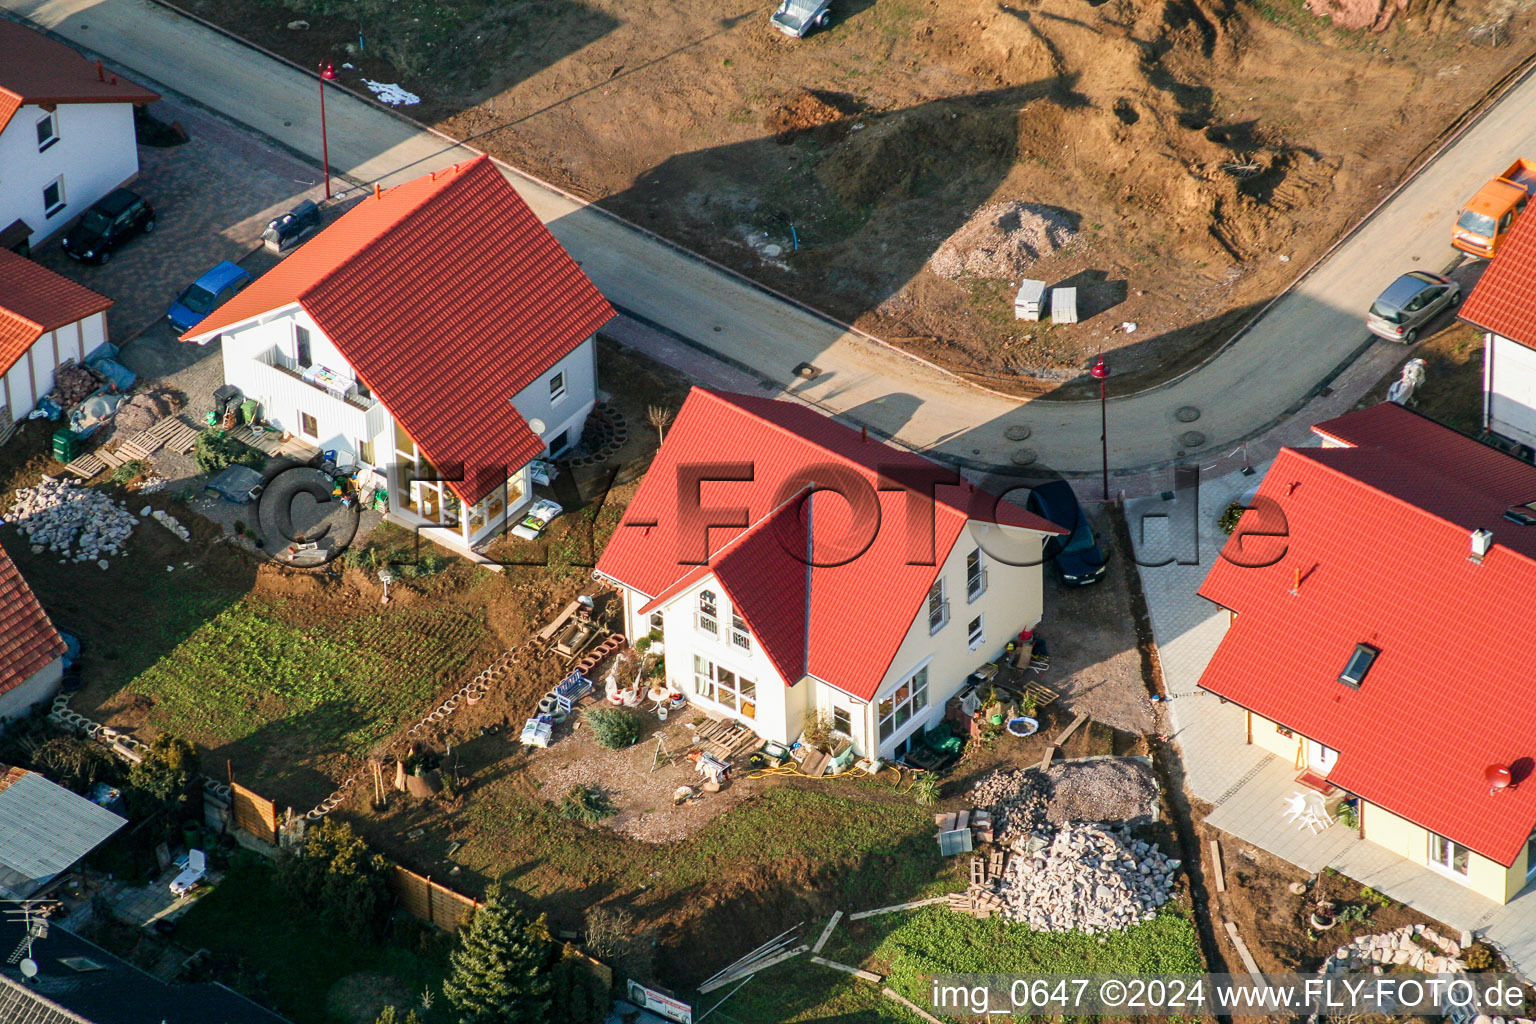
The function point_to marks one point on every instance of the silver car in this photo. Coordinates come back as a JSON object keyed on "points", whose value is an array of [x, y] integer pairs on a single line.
{"points": [[1409, 303]]}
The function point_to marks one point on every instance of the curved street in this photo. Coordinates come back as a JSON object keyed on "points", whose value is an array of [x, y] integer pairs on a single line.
{"points": [[1307, 338]]}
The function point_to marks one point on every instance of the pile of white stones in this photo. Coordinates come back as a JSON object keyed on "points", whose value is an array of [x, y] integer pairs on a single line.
{"points": [[1085, 878], [1431, 952], [166, 520], [82, 524], [1015, 799]]}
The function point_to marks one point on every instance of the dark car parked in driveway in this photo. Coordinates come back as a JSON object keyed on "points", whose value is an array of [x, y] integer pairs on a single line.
{"points": [[1076, 555], [116, 217]]}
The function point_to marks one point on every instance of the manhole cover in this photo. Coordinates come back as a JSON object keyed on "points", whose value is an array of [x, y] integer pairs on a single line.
{"points": [[1192, 439], [806, 371], [1187, 414], [1017, 432], [1023, 456]]}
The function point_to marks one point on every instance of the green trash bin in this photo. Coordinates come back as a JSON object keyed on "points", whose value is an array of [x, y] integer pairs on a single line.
{"points": [[66, 445]]}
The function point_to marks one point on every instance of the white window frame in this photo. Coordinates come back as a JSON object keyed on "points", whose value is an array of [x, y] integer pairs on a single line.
{"points": [[51, 119], [975, 584], [1450, 848], [557, 388], [910, 704], [1530, 857], [707, 685], [49, 211], [934, 627], [707, 622], [740, 636], [978, 636]]}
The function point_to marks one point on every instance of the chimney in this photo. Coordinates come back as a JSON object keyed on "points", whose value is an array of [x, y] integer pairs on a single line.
{"points": [[1482, 540], [378, 192], [1296, 584], [864, 434], [101, 74]]}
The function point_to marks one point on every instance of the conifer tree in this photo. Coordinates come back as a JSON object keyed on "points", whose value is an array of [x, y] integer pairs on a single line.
{"points": [[500, 972]]}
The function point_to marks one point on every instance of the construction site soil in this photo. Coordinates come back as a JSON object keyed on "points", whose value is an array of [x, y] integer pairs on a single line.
{"points": [[1191, 156]]}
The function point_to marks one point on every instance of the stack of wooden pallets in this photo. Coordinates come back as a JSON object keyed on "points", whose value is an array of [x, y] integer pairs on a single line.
{"points": [[980, 898], [172, 432], [725, 739]]}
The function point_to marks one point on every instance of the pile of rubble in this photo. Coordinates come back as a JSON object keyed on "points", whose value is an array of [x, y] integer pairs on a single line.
{"points": [[1084, 878], [80, 523], [1414, 946], [1016, 800], [1002, 241], [166, 520]]}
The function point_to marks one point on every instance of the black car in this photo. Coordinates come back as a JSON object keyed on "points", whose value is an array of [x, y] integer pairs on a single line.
{"points": [[117, 217], [1076, 556]]}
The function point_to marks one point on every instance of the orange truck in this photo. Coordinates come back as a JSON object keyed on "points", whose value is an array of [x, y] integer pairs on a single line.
{"points": [[1485, 221]]}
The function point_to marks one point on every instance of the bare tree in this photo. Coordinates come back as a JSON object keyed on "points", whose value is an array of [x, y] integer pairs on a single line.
{"points": [[660, 416]]}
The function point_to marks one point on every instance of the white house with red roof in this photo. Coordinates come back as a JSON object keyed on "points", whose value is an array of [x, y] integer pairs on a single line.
{"points": [[31, 650], [1377, 639], [1503, 304], [436, 333], [66, 134], [45, 321], [791, 564]]}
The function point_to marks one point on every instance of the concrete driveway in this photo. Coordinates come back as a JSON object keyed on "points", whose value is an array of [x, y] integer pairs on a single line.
{"points": [[1260, 380]]}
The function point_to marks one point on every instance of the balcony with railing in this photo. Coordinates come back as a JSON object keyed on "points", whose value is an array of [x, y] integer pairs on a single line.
{"points": [[319, 378]]}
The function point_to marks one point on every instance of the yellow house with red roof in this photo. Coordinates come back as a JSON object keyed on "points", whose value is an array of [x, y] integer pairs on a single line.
{"points": [[435, 333], [1376, 642], [792, 565]]}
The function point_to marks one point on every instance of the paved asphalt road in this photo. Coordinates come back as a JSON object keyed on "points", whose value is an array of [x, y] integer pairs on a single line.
{"points": [[1299, 342]]}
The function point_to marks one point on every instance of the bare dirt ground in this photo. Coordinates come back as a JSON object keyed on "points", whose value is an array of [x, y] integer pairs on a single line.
{"points": [[1193, 155]]}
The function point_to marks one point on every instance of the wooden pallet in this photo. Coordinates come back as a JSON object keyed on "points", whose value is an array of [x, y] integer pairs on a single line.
{"points": [[111, 458], [181, 439], [86, 466]]}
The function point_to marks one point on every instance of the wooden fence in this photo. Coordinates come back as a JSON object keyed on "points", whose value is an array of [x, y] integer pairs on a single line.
{"points": [[254, 814], [429, 901]]}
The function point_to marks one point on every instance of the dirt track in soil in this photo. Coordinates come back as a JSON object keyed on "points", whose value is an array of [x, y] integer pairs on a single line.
{"points": [[881, 137]]}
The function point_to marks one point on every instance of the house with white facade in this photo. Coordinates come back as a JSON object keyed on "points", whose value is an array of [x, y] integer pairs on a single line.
{"points": [[46, 320], [31, 650], [435, 333], [794, 565], [66, 134], [1503, 305]]}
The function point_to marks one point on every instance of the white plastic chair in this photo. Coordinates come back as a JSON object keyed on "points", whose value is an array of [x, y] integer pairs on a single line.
{"points": [[197, 866]]}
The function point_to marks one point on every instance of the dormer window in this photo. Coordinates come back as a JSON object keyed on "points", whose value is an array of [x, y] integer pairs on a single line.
{"points": [[1359, 664], [707, 618]]}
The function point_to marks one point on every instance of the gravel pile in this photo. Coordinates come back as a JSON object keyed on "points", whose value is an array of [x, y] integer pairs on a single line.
{"points": [[1003, 240], [1085, 878], [1104, 789], [80, 523]]}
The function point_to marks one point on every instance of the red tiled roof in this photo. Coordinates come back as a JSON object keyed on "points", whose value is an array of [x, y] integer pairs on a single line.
{"points": [[28, 641], [1504, 300], [864, 593], [1380, 534], [448, 296], [36, 69], [34, 299]]}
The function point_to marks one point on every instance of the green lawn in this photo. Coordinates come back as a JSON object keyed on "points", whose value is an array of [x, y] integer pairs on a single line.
{"points": [[346, 681], [293, 963], [906, 947]]}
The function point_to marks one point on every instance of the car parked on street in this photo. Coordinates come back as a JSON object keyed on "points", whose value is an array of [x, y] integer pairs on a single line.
{"points": [[1410, 302], [114, 219], [207, 294], [1076, 556]]}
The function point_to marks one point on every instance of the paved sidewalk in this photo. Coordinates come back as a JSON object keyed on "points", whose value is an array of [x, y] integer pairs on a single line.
{"points": [[1256, 382], [1245, 784]]}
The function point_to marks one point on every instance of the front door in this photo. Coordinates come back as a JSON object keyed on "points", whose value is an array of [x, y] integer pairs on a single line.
{"points": [[1320, 759]]}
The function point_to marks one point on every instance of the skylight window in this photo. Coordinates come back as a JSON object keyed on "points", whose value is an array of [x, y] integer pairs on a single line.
{"points": [[1525, 514], [1359, 664]]}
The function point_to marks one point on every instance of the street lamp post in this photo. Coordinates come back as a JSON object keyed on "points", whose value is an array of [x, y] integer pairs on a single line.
{"points": [[1101, 374], [327, 74]]}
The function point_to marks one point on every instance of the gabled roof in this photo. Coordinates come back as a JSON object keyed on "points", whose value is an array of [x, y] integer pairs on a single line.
{"points": [[1504, 300], [44, 829], [37, 69], [33, 299], [28, 641], [842, 619], [447, 296], [1380, 534]]}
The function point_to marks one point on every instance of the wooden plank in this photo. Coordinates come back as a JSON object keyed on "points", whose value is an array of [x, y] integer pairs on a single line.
{"points": [[1242, 951], [1061, 740], [963, 819], [826, 933], [752, 969], [1045, 760], [1221, 878], [857, 972], [948, 824], [891, 994], [861, 915]]}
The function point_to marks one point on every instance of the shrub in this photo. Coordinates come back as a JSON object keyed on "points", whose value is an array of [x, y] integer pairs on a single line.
{"points": [[586, 805], [1348, 816], [73, 762], [214, 450], [164, 773], [129, 470], [333, 872], [1370, 895], [614, 936], [926, 789], [1478, 957], [1229, 517], [614, 728]]}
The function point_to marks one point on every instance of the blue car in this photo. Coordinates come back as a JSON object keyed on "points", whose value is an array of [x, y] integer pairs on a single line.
{"points": [[1076, 556], [206, 294]]}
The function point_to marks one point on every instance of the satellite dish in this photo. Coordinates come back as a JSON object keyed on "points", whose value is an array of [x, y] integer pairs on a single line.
{"points": [[29, 967], [1498, 778], [537, 426]]}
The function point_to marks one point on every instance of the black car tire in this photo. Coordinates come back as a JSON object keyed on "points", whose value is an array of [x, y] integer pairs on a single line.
{"points": [[1455, 300], [106, 254], [1410, 336], [824, 19], [149, 225]]}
